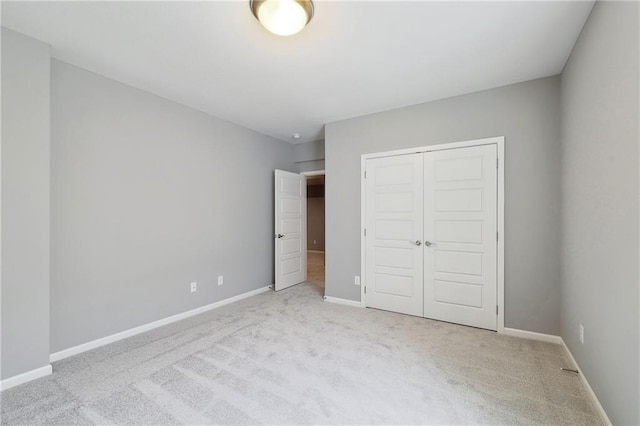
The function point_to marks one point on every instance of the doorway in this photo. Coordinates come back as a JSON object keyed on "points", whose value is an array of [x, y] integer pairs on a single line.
{"points": [[299, 243], [316, 229]]}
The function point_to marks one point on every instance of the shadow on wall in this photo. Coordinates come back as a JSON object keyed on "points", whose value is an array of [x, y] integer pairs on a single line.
{"points": [[315, 213]]}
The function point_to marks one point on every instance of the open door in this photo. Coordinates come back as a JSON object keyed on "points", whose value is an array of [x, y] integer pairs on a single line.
{"points": [[290, 229]]}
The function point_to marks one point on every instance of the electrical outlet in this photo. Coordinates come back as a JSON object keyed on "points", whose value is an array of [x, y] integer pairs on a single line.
{"points": [[314, 242], [220, 280], [581, 334], [356, 280], [194, 287]]}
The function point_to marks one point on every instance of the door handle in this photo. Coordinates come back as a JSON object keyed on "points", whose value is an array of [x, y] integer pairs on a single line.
{"points": [[417, 242], [279, 236], [428, 243]]}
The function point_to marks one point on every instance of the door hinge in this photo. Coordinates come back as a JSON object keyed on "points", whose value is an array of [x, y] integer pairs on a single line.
{"points": [[497, 236], [497, 163], [496, 309], [365, 289], [365, 232], [365, 174]]}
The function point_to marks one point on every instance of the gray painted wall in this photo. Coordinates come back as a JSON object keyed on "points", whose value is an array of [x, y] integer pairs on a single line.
{"points": [[309, 156], [527, 114], [25, 204], [315, 223], [148, 196], [600, 206]]}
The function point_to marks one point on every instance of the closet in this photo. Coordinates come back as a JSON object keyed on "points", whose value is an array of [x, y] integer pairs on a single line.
{"points": [[431, 225]]}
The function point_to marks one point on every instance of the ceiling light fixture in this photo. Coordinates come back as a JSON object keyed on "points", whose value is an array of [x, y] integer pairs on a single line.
{"points": [[282, 17]]}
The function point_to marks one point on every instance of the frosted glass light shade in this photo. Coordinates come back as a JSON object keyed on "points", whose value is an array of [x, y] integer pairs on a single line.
{"points": [[282, 17]]}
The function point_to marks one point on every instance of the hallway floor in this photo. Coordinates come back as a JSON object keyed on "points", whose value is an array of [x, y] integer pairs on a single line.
{"points": [[315, 268]]}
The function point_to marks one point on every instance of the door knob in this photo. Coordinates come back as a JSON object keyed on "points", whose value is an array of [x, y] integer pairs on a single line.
{"points": [[428, 243], [279, 236], [418, 242]]}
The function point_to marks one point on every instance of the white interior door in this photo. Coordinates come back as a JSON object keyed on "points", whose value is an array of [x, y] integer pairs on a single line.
{"points": [[460, 233], [290, 229], [394, 279]]}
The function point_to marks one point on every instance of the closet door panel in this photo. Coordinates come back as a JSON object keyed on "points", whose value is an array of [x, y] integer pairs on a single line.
{"points": [[460, 225], [394, 221]]}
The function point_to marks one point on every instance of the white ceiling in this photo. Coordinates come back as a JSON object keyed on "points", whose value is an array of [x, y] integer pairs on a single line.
{"points": [[354, 58]]}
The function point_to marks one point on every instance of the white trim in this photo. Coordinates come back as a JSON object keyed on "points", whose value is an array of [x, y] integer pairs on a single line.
{"points": [[25, 377], [363, 224], [501, 233], [499, 141], [315, 251], [339, 301], [437, 147], [583, 379], [314, 173], [532, 335], [57, 356]]}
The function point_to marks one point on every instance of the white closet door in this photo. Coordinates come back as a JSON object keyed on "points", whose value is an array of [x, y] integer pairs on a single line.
{"points": [[394, 279], [290, 229], [460, 231]]}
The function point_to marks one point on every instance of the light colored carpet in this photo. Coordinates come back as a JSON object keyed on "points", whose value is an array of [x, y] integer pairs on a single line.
{"points": [[290, 358]]}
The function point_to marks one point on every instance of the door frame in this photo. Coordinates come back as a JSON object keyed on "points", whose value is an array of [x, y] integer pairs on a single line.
{"points": [[314, 173], [499, 142], [307, 174]]}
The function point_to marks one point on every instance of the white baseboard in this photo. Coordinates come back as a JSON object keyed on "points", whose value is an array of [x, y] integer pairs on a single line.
{"points": [[25, 377], [57, 356], [532, 335], [586, 384], [340, 301]]}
